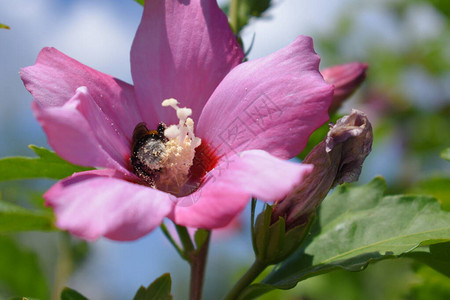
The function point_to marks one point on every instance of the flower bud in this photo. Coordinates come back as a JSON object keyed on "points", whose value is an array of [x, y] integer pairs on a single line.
{"points": [[346, 79], [337, 159]]}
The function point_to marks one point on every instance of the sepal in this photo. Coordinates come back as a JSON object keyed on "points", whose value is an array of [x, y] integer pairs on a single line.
{"points": [[273, 241]]}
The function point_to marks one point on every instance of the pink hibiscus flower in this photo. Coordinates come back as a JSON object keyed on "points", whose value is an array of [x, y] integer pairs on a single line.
{"points": [[199, 165]]}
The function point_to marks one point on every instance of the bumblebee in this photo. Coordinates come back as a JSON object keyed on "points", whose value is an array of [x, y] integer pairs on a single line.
{"points": [[147, 152]]}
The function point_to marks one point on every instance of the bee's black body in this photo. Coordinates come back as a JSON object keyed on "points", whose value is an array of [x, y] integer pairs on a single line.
{"points": [[147, 149]]}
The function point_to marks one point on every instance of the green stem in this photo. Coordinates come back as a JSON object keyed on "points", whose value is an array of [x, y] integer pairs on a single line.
{"points": [[64, 265], [252, 224], [198, 266], [171, 240], [246, 280], [234, 20]]}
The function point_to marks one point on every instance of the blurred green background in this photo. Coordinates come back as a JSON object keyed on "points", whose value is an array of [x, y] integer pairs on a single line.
{"points": [[406, 96]]}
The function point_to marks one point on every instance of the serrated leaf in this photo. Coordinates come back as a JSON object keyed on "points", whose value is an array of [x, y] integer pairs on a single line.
{"points": [[445, 154], [4, 26], [20, 271], [158, 290], [15, 218], [47, 165], [358, 226], [70, 294]]}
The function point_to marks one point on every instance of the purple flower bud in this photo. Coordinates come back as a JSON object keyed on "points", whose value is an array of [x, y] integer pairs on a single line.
{"points": [[346, 79], [337, 159]]}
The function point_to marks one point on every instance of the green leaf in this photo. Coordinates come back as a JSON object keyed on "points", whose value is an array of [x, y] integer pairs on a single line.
{"points": [[244, 10], [20, 271], [69, 294], [141, 2], [15, 218], [437, 186], [47, 165], [4, 26], [358, 226], [445, 154], [429, 282], [438, 257], [442, 5], [158, 290], [255, 7]]}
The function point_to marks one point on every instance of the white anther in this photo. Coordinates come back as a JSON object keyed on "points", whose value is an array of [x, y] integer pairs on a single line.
{"points": [[170, 102], [190, 131], [190, 124], [183, 113], [172, 132]]}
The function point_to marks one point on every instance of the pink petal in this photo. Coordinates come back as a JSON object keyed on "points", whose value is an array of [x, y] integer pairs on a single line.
{"points": [[346, 79], [101, 203], [55, 77], [234, 227], [273, 103], [230, 185], [80, 132], [181, 51]]}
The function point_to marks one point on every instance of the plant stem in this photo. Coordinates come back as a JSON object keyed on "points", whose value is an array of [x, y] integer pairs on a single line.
{"points": [[198, 266], [246, 280], [252, 224], [64, 265], [234, 20]]}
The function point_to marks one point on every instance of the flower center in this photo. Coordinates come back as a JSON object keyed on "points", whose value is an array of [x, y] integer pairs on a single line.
{"points": [[164, 157]]}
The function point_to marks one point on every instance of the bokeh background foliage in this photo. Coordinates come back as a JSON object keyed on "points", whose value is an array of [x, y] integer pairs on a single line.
{"points": [[406, 95]]}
